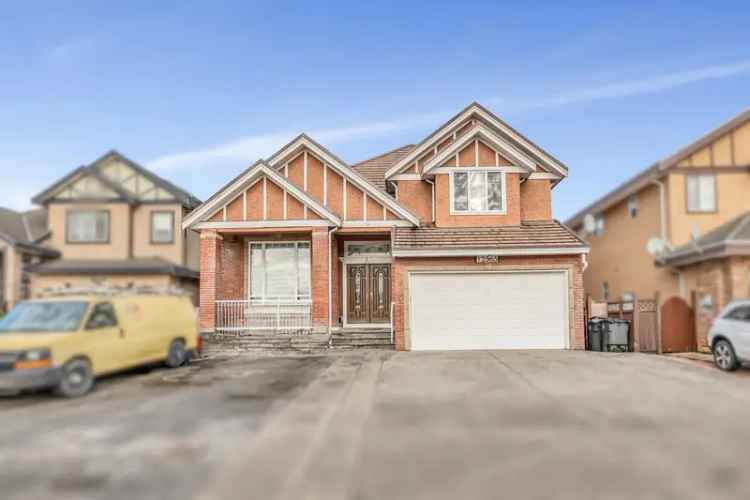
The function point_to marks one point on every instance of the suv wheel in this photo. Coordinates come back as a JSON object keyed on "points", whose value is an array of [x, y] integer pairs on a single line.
{"points": [[77, 379], [724, 356], [177, 355]]}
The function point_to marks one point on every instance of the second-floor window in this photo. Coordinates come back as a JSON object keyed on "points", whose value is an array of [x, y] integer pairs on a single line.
{"points": [[701, 193], [87, 226], [162, 227], [477, 191]]}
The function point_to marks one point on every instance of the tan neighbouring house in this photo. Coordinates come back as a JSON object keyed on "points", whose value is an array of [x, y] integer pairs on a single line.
{"points": [[448, 244], [115, 223], [24, 242], [671, 205]]}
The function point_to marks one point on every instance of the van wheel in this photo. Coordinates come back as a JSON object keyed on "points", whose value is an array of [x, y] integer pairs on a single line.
{"points": [[77, 379], [177, 354], [724, 356]]}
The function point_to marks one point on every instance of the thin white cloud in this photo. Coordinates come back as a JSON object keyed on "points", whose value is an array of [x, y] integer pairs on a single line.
{"points": [[637, 87], [248, 149]]}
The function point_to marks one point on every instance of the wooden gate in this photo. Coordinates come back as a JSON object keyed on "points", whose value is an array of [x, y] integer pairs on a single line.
{"points": [[677, 326], [646, 325]]}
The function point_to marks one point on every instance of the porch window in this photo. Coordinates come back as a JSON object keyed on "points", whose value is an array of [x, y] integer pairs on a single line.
{"points": [[280, 272], [701, 193], [478, 191]]}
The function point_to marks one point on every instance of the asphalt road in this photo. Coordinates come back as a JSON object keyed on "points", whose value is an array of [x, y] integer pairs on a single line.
{"points": [[501, 424]]}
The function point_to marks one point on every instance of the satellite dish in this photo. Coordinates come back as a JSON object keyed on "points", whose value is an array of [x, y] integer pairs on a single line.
{"points": [[589, 224], [655, 246]]}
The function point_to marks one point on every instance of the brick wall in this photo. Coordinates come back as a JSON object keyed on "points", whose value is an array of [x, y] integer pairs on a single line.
{"points": [[319, 278], [572, 263], [210, 278], [536, 200], [233, 256]]}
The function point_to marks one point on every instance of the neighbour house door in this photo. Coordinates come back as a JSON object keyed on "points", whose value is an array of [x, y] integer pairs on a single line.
{"points": [[368, 290]]}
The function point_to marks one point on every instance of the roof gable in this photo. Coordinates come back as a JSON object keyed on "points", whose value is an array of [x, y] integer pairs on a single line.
{"points": [[304, 143], [479, 131], [260, 171], [115, 177], [459, 124]]}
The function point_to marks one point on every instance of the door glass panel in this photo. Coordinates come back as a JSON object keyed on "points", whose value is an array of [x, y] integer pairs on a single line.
{"points": [[365, 249]]}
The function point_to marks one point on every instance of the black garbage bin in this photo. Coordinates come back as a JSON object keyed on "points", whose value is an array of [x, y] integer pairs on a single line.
{"points": [[597, 329]]}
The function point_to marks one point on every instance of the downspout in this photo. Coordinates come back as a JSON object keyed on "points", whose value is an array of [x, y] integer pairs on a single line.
{"points": [[662, 210], [584, 262], [330, 282], [432, 183]]}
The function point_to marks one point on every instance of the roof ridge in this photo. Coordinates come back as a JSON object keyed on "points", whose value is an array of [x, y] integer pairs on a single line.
{"points": [[383, 154]]}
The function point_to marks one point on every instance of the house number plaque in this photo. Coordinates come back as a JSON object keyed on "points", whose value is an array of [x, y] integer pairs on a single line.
{"points": [[488, 259]]}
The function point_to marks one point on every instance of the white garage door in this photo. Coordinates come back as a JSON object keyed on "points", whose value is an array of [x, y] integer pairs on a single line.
{"points": [[484, 310]]}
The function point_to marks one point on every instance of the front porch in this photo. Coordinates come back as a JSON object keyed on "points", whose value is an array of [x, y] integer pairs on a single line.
{"points": [[296, 282]]}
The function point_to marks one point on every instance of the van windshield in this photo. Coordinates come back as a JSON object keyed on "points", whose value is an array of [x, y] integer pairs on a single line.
{"points": [[44, 317]]}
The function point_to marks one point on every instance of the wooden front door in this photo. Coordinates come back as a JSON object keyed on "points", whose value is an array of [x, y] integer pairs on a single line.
{"points": [[368, 293]]}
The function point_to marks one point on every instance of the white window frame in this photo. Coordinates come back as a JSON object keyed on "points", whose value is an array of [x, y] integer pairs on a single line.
{"points": [[296, 299], [699, 209], [503, 189]]}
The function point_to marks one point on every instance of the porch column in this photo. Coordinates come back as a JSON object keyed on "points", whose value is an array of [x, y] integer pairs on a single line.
{"points": [[319, 278], [210, 278]]}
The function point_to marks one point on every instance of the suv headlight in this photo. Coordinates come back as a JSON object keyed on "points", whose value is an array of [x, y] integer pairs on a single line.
{"points": [[34, 358]]}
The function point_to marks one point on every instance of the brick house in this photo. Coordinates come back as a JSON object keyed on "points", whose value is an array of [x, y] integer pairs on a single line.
{"points": [[450, 243], [717, 268], [638, 230]]}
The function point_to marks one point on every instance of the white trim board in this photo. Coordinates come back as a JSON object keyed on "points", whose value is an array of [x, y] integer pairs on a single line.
{"points": [[474, 252], [261, 224]]}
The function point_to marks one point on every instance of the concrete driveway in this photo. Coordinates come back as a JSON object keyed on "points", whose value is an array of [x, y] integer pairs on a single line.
{"points": [[501, 424]]}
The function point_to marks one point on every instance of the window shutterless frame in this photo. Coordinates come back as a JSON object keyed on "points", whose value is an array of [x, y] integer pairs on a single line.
{"points": [[486, 171], [697, 177], [156, 213], [264, 297], [72, 212]]}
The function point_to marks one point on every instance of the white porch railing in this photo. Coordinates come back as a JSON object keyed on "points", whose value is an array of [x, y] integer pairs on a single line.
{"points": [[264, 317]]}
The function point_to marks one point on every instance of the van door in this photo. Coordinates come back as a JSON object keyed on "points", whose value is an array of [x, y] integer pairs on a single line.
{"points": [[104, 341]]}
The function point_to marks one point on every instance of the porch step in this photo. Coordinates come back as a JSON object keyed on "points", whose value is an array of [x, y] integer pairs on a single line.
{"points": [[362, 338], [237, 344]]}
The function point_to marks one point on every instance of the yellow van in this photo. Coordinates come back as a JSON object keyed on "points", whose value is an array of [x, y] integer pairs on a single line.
{"points": [[64, 343]]}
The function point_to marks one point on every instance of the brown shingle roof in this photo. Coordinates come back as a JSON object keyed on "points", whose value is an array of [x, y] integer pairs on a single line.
{"points": [[374, 169], [550, 234], [731, 238]]}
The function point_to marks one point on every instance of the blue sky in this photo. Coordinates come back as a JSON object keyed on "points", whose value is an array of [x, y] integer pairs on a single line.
{"points": [[199, 90]]}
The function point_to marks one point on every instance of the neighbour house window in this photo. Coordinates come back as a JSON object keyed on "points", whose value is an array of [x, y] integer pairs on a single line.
{"points": [[279, 272], [87, 226], [162, 227], [701, 193], [599, 225], [477, 191], [633, 205]]}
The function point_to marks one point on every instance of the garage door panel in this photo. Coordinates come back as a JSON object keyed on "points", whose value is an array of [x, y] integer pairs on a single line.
{"points": [[523, 310]]}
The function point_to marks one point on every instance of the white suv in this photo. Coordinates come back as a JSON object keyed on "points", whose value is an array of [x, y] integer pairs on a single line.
{"points": [[729, 336]]}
